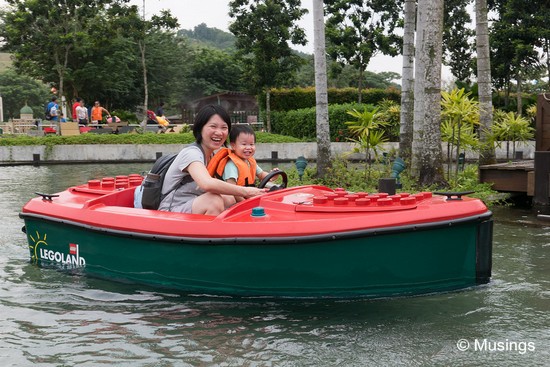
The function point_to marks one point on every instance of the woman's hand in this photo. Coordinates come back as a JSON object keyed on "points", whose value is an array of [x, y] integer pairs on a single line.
{"points": [[252, 191]]}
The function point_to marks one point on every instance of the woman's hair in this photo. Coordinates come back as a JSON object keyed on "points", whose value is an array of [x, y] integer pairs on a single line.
{"points": [[240, 129], [204, 115]]}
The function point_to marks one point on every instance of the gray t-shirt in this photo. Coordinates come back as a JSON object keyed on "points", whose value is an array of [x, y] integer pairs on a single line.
{"points": [[181, 198]]}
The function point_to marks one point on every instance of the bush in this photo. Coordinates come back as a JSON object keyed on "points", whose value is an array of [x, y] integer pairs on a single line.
{"points": [[303, 98], [301, 123]]}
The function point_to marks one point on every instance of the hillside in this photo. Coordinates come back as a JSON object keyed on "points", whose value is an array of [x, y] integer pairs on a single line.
{"points": [[203, 35]]}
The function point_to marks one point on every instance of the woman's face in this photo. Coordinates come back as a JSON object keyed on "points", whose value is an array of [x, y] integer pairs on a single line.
{"points": [[214, 133]]}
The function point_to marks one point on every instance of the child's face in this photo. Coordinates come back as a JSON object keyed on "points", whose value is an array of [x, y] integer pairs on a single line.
{"points": [[244, 146]]}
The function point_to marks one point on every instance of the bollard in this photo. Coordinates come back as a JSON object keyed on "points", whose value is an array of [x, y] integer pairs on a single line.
{"points": [[387, 185]]}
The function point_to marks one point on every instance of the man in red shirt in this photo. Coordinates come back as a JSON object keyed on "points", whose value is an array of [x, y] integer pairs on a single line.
{"points": [[76, 103]]}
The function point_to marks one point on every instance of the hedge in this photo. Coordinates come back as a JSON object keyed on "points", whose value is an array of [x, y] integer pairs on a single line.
{"points": [[301, 123], [301, 98]]}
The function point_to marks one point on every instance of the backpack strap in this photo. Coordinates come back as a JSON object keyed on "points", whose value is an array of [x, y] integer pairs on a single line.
{"points": [[187, 178]]}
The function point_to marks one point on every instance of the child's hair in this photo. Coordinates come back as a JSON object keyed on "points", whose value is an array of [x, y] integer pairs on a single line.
{"points": [[240, 129]]}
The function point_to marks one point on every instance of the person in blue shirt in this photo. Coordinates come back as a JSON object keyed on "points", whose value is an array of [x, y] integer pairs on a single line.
{"points": [[52, 110]]}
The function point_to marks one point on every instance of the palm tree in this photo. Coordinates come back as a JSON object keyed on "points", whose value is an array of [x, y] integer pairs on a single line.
{"points": [[321, 94], [427, 161], [407, 82], [487, 154], [366, 134]]}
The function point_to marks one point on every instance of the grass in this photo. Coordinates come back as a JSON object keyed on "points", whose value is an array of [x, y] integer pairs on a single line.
{"points": [[183, 138]]}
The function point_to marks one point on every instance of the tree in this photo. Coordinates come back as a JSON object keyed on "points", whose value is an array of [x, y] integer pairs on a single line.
{"points": [[357, 30], [17, 90], [43, 35], [321, 94], [456, 39], [427, 160], [460, 115], [485, 91], [264, 29], [366, 133], [407, 82], [514, 41], [214, 71], [139, 29]]}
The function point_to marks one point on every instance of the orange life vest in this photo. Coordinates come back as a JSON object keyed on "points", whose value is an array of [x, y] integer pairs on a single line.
{"points": [[247, 171], [97, 114]]}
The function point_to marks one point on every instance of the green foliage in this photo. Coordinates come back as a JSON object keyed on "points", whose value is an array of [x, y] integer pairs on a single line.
{"points": [[18, 90], [183, 138], [264, 30], [459, 116], [213, 71], [297, 98], [365, 132], [457, 40], [202, 35], [301, 123], [390, 113], [511, 127], [356, 30]]}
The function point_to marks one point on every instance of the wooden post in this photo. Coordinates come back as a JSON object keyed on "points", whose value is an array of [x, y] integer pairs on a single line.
{"points": [[542, 175]]}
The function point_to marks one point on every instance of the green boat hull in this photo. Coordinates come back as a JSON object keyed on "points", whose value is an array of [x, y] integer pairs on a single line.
{"points": [[396, 261]]}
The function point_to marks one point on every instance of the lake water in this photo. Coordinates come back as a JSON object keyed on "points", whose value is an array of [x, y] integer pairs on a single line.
{"points": [[48, 318]]}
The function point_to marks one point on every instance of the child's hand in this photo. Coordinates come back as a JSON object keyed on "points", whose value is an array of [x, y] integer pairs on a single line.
{"points": [[274, 177]]}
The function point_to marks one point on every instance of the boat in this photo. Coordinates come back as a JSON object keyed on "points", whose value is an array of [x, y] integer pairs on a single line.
{"points": [[307, 241]]}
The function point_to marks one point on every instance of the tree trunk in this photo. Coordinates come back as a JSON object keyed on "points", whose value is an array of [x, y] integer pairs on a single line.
{"points": [[427, 155], [360, 86], [145, 84], [487, 153], [407, 83], [268, 109], [518, 95], [321, 94]]}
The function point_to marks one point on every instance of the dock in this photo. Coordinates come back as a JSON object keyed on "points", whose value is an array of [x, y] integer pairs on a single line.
{"points": [[513, 177], [529, 177]]}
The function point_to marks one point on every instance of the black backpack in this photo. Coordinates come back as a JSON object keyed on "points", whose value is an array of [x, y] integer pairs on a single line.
{"points": [[152, 184], [47, 115]]}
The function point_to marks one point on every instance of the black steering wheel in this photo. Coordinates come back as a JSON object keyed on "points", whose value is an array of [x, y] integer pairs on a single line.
{"points": [[272, 174]]}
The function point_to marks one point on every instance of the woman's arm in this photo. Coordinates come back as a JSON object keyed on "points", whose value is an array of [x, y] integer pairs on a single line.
{"points": [[200, 175]]}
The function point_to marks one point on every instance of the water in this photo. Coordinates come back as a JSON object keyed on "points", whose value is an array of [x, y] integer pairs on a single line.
{"points": [[48, 318]]}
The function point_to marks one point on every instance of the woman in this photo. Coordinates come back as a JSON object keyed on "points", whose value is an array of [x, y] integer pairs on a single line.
{"points": [[188, 186]]}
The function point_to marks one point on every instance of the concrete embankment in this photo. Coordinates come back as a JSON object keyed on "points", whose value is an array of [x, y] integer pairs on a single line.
{"points": [[39, 154], [286, 152]]}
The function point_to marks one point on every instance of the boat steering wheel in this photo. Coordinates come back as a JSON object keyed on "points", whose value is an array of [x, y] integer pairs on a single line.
{"points": [[272, 174]]}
